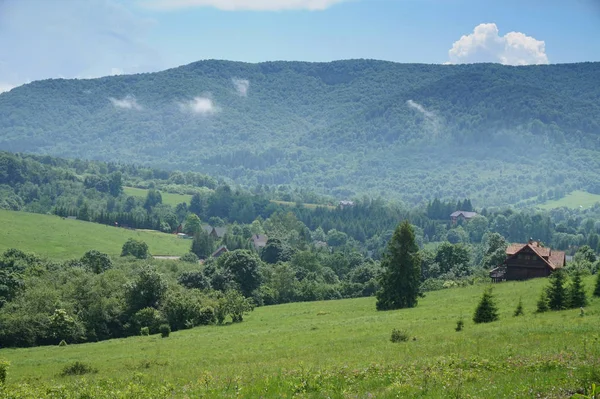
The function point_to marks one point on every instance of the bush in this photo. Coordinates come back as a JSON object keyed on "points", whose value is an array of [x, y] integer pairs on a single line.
{"points": [[542, 303], [77, 368], [62, 343], [96, 261], [486, 311], [136, 248], [165, 330], [459, 325], [190, 257], [144, 331], [3, 370], [399, 336]]}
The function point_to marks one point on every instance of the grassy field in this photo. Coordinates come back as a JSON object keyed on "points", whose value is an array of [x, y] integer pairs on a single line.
{"points": [[338, 349], [308, 206], [59, 239], [573, 200], [167, 198]]}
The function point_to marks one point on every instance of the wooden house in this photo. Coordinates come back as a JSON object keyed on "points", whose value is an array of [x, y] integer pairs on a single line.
{"points": [[220, 251], [461, 216], [259, 241], [525, 261]]}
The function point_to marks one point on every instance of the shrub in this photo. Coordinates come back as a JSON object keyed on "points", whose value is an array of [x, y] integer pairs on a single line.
{"points": [[3, 370], [519, 310], [399, 336], [77, 368], [542, 303], [459, 325], [136, 248], [165, 330], [145, 331], [149, 318], [96, 261], [190, 257], [486, 311], [62, 343]]}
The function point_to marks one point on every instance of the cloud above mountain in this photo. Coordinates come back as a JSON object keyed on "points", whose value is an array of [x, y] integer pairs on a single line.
{"points": [[241, 86], [486, 45], [200, 106], [238, 5], [128, 102]]}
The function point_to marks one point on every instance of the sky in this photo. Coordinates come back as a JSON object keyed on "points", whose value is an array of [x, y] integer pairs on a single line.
{"points": [[41, 39]]}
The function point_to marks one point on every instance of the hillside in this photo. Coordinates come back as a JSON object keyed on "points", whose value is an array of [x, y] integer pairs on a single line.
{"points": [[338, 349], [59, 239], [409, 131]]}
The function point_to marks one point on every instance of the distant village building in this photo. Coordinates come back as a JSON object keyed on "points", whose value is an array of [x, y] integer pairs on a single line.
{"points": [[214, 232], [346, 204], [461, 216], [259, 241], [220, 251], [525, 261]]}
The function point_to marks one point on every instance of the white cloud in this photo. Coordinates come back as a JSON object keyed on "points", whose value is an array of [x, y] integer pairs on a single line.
{"points": [[237, 5], [241, 86], [200, 105], [128, 102], [5, 87], [486, 45]]}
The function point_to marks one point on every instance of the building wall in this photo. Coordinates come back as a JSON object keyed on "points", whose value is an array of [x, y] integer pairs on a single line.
{"points": [[525, 265]]}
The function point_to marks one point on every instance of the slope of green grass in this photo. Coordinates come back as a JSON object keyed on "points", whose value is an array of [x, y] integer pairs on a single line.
{"points": [[574, 200], [167, 198], [57, 238], [339, 349], [308, 206]]}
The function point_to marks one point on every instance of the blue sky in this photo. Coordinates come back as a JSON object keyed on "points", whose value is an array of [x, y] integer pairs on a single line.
{"points": [[88, 38]]}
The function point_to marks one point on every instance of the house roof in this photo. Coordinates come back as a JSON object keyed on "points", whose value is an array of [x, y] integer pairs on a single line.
{"points": [[554, 259], [467, 215], [260, 240], [220, 231], [222, 248]]}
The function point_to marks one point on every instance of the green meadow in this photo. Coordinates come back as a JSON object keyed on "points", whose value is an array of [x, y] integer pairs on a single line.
{"points": [[574, 200], [167, 198], [338, 349], [58, 238]]}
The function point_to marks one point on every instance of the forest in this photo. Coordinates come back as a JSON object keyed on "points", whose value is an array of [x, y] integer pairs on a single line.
{"points": [[499, 135], [326, 251]]}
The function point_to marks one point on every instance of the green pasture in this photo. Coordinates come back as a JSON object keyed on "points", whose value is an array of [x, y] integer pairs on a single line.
{"points": [[167, 198], [574, 200], [338, 349]]}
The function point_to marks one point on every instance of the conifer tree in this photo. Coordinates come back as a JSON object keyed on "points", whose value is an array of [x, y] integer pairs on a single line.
{"points": [[577, 296], [542, 303], [597, 288], [202, 245], [519, 310], [402, 271], [557, 293], [486, 310]]}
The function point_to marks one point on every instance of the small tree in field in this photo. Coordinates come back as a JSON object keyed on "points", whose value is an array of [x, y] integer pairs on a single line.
{"points": [[542, 303], [487, 310], [519, 310], [557, 293], [136, 248], [577, 296], [402, 271], [597, 288]]}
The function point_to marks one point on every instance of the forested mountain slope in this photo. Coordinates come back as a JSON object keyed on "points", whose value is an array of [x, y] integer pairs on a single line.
{"points": [[499, 133]]}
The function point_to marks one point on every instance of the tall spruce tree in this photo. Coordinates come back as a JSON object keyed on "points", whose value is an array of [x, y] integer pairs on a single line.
{"points": [[402, 271], [577, 296], [203, 244], [486, 310], [557, 292]]}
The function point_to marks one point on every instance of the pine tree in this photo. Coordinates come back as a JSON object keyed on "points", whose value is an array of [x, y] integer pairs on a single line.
{"points": [[402, 271], [577, 296], [519, 310], [542, 304], [486, 310], [597, 288], [557, 293]]}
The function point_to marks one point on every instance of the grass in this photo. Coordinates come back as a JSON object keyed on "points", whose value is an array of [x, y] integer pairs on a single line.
{"points": [[339, 349], [574, 200], [57, 238], [167, 198]]}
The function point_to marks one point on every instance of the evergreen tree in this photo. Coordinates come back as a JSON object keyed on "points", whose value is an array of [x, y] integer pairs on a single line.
{"points": [[542, 304], [519, 310], [577, 296], [486, 311], [557, 293], [597, 289], [202, 245], [402, 271]]}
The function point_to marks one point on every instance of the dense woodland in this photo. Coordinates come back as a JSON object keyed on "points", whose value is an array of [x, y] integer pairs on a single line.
{"points": [[496, 134], [327, 252]]}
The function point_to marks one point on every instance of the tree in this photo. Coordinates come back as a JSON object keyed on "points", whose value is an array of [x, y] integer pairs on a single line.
{"points": [[244, 267], [495, 251], [96, 261], [203, 244], [146, 291], [486, 311], [153, 198], [577, 296], [136, 248], [115, 184], [597, 288], [192, 224], [557, 293], [453, 258], [542, 303], [402, 271], [585, 253]]}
